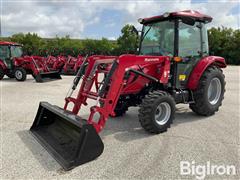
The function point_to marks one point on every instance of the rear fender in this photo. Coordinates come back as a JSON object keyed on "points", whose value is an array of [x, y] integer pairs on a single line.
{"points": [[201, 67]]}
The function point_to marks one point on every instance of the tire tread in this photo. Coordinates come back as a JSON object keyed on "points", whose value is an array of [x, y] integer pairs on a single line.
{"points": [[199, 106], [145, 110]]}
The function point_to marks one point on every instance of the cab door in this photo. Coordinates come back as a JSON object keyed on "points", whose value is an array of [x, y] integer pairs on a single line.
{"points": [[193, 45], [5, 56]]}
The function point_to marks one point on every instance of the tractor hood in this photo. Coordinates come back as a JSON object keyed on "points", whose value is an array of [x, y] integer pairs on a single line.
{"points": [[28, 58]]}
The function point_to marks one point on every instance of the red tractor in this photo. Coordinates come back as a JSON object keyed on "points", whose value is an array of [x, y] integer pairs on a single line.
{"points": [[72, 65], [50, 60], [14, 64], [68, 66], [172, 67], [55, 63], [78, 64]]}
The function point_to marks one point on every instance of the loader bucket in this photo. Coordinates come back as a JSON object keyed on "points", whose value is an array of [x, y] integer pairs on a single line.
{"points": [[67, 137], [41, 77]]}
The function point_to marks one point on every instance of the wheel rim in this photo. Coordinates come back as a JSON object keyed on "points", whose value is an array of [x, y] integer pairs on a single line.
{"points": [[18, 74], [214, 91], [163, 113]]}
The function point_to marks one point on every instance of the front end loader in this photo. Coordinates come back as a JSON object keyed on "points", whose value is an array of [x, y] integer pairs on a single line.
{"points": [[172, 66], [55, 63], [69, 66], [37, 66]]}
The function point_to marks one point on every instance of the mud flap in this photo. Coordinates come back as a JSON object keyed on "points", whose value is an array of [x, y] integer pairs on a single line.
{"points": [[67, 137], [41, 77]]}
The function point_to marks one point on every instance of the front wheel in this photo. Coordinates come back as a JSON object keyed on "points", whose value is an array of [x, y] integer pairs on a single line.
{"points": [[20, 74], [157, 111], [209, 95]]}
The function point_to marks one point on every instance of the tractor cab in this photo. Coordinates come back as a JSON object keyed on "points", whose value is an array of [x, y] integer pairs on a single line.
{"points": [[8, 51], [180, 35]]}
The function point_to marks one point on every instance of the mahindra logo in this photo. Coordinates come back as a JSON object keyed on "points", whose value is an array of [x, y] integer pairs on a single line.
{"points": [[151, 59]]}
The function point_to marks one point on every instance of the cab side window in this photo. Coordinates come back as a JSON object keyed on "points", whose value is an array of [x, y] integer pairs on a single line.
{"points": [[16, 51], [4, 52], [189, 40]]}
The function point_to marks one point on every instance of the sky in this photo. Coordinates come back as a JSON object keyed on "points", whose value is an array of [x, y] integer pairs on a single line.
{"points": [[102, 18]]}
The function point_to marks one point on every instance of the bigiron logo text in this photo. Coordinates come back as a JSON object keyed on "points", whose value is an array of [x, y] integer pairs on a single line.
{"points": [[200, 171]]}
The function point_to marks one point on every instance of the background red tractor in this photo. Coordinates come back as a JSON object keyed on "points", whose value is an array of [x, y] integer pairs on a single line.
{"points": [[14, 64], [59, 63], [72, 64], [50, 60], [172, 66], [55, 63], [78, 64]]}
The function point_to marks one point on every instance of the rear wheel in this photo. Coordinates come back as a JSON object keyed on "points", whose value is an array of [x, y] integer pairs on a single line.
{"points": [[157, 111], [210, 92], [20, 74], [1, 73]]}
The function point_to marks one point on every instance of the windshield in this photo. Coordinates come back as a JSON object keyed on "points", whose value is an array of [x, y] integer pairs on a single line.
{"points": [[16, 51], [158, 39]]}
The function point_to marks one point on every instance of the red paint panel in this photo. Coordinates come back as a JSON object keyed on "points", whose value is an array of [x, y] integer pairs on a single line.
{"points": [[201, 67]]}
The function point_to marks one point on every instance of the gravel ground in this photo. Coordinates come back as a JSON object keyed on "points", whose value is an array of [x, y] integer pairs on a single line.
{"points": [[129, 151]]}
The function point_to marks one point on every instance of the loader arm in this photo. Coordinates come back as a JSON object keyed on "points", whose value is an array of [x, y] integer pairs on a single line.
{"points": [[73, 140], [112, 85]]}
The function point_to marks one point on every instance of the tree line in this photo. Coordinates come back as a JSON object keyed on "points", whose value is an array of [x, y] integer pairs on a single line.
{"points": [[223, 42]]}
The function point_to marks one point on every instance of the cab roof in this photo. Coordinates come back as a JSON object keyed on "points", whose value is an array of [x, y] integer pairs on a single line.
{"points": [[9, 43], [197, 16]]}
